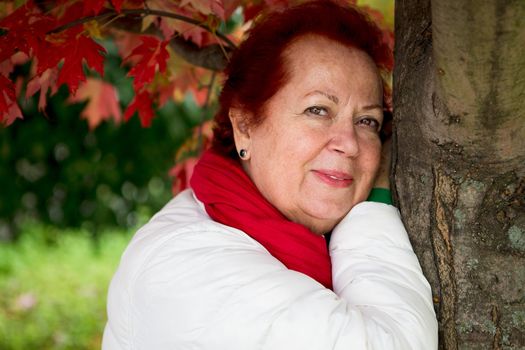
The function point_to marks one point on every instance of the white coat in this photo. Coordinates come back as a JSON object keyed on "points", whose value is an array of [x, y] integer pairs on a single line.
{"points": [[188, 282]]}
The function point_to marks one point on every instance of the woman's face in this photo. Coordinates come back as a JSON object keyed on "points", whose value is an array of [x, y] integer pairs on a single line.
{"points": [[317, 151]]}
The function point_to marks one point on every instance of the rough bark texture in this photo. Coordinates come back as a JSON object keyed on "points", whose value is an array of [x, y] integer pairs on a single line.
{"points": [[459, 162]]}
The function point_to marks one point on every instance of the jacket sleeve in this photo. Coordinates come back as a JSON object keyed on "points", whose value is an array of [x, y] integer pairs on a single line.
{"points": [[211, 287], [376, 271]]}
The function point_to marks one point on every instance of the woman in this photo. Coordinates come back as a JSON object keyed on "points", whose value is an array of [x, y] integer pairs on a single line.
{"points": [[241, 261]]}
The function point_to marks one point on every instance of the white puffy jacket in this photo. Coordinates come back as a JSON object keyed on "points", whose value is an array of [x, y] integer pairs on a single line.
{"points": [[188, 282]]}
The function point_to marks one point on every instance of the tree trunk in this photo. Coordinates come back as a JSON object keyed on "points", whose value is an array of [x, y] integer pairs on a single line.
{"points": [[459, 162]]}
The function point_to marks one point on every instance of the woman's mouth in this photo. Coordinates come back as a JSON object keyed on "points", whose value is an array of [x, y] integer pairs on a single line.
{"points": [[334, 178]]}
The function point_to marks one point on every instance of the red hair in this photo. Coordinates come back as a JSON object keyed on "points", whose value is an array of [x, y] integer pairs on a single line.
{"points": [[256, 70]]}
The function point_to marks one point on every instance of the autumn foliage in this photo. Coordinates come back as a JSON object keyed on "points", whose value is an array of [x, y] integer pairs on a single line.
{"points": [[171, 47], [59, 38]]}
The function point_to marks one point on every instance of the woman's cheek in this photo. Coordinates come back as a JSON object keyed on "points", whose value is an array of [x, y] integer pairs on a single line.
{"points": [[372, 156]]}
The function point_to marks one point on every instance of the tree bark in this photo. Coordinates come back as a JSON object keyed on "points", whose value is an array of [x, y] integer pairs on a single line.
{"points": [[459, 162]]}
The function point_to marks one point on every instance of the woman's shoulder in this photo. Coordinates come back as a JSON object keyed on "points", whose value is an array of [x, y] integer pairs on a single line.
{"points": [[181, 230], [179, 266]]}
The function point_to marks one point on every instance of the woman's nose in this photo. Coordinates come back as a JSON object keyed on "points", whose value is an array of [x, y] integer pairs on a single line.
{"points": [[344, 140]]}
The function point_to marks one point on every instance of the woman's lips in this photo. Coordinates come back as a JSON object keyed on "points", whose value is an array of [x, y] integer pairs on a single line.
{"points": [[334, 178]]}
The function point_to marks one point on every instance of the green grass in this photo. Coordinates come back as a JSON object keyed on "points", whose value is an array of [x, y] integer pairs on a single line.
{"points": [[53, 287]]}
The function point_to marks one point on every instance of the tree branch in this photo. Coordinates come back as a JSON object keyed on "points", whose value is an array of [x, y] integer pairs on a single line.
{"points": [[147, 12], [213, 57]]}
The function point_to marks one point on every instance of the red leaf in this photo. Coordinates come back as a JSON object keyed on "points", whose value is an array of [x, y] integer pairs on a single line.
{"points": [[205, 133], [181, 173], [166, 92], [126, 43], [199, 95], [26, 27], [93, 7], [7, 94], [12, 114], [188, 155], [82, 48], [117, 4], [252, 10], [230, 6], [7, 66], [191, 79], [142, 103], [53, 49], [70, 11], [189, 31], [103, 101], [43, 82], [171, 27], [206, 7], [153, 53], [9, 109]]}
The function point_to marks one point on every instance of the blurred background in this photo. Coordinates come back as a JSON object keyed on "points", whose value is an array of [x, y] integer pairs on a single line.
{"points": [[71, 197]]}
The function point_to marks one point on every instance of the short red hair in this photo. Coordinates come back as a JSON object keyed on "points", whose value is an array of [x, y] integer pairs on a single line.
{"points": [[256, 70]]}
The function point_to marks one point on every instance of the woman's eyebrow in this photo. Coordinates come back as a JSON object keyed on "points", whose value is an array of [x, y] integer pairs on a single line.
{"points": [[332, 98], [374, 106]]}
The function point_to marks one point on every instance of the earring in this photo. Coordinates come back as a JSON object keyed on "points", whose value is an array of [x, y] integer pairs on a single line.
{"points": [[243, 153]]}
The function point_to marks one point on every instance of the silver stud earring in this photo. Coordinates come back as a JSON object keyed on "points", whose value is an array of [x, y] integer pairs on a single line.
{"points": [[243, 153]]}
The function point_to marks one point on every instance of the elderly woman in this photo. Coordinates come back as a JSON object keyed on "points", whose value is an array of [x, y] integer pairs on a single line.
{"points": [[242, 261]]}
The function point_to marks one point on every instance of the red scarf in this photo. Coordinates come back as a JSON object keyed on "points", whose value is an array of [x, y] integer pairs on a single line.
{"points": [[231, 198]]}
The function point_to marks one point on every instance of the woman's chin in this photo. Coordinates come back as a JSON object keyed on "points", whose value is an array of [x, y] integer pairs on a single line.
{"points": [[322, 220]]}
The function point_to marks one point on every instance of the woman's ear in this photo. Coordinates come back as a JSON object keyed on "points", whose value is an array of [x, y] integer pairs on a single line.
{"points": [[241, 131]]}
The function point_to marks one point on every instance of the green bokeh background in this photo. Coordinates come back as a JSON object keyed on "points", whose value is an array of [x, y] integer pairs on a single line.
{"points": [[70, 200], [56, 171]]}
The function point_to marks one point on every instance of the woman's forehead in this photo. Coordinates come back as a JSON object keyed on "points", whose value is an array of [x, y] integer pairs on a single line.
{"points": [[306, 48], [320, 59]]}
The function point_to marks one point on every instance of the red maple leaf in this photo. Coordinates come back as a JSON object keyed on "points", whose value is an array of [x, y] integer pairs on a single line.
{"points": [[9, 109], [181, 174], [142, 103], [103, 101], [7, 66], [70, 11], [206, 7], [230, 6], [82, 48], [192, 80], [43, 82], [188, 155], [117, 4], [7, 94], [93, 7], [152, 53], [252, 10], [52, 49], [26, 28]]}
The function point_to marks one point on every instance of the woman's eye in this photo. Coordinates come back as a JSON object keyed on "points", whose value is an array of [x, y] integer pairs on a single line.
{"points": [[316, 110], [370, 122]]}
